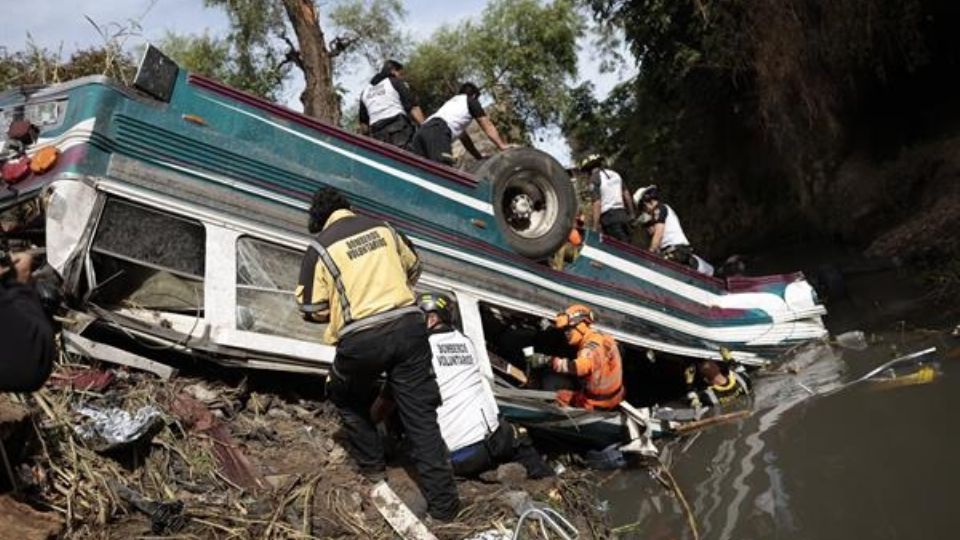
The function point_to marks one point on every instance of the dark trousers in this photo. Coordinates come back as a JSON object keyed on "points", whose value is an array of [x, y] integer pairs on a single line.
{"points": [[682, 254], [501, 446], [616, 223], [400, 348], [397, 131], [434, 141], [27, 346]]}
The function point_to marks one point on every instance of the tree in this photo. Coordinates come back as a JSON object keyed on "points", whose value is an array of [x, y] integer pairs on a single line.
{"points": [[524, 52], [259, 33], [747, 107], [214, 57]]}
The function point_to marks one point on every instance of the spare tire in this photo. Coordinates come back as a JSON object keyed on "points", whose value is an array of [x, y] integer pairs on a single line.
{"points": [[533, 199]]}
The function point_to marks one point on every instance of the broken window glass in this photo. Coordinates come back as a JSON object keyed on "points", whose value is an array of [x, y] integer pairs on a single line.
{"points": [[267, 275], [145, 258]]}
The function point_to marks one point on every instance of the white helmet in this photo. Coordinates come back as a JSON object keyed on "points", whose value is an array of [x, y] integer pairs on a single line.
{"points": [[648, 192]]}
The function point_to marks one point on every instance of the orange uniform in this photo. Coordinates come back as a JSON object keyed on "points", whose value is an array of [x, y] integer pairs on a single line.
{"points": [[599, 367]]}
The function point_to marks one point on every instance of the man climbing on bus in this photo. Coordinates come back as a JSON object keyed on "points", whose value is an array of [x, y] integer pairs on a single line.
{"points": [[388, 109], [612, 204], [663, 225], [597, 363], [434, 139]]}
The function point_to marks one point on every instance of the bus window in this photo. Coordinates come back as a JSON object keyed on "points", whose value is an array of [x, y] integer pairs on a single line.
{"points": [[267, 275], [148, 259]]}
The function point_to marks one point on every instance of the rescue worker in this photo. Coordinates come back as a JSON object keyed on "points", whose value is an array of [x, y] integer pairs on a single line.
{"points": [[722, 383], [434, 139], [477, 436], [663, 225], [388, 109], [570, 249], [612, 205], [26, 331], [597, 365], [356, 277]]}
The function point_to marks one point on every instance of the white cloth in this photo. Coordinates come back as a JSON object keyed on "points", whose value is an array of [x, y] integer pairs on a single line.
{"points": [[468, 412], [455, 113], [611, 190], [381, 100], [672, 231]]}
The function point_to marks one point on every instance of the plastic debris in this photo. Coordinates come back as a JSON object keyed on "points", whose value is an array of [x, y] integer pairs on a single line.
{"points": [[855, 339], [114, 427], [607, 459], [492, 534], [91, 380], [165, 517]]}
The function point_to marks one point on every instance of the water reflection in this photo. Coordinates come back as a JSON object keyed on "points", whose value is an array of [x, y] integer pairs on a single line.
{"points": [[776, 474]]}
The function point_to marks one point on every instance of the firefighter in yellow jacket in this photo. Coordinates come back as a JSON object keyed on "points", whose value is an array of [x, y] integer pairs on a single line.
{"points": [[597, 364], [357, 276]]}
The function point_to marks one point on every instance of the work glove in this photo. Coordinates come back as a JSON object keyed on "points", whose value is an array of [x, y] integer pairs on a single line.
{"points": [[560, 365], [694, 400], [537, 360], [690, 374]]}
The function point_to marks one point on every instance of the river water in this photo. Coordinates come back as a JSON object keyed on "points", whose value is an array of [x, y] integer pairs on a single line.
{"points": [[818, 459]]}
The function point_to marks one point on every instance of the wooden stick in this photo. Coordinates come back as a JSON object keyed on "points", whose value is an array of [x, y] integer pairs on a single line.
{"points": [[706, 422]]}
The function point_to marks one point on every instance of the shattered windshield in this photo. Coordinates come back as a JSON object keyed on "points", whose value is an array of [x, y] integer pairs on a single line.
{"points": [[144, 258], [266, 277]]}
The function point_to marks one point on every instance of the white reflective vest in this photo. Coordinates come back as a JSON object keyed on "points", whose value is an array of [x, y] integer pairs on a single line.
{"points": [[468, 412], [672, 231], [455, 113], [611, 190], [381, 100]]}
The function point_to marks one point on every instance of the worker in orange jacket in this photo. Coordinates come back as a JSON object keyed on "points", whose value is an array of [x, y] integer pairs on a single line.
{"points": [[597, 365]]}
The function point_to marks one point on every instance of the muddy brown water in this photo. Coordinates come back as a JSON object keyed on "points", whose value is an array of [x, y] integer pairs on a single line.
{"points": [[817, 460]]}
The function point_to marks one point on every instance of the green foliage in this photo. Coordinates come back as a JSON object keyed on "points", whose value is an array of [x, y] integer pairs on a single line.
{"points": [[524, 52], [743, 102], [372, 31], [261, 48], [36, 65], [256, 58], [215, 57]]}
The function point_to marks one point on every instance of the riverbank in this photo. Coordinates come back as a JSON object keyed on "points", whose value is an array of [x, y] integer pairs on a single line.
{"points": [[120, 454]]}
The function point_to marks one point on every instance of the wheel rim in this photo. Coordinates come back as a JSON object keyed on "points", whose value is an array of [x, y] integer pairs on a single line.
{"points": [[530, 204]]}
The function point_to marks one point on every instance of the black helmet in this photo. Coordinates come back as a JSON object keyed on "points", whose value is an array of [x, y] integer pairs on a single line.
{"points": [[438, 303]]}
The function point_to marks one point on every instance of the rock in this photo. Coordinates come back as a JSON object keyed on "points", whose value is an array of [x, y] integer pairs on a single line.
{"points": [[519, 501], [278, 413], [511, 474], [202, 393], [22, 522]]}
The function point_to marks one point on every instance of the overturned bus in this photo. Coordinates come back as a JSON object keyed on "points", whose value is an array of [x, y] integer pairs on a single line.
{"points": [[175, 214]]}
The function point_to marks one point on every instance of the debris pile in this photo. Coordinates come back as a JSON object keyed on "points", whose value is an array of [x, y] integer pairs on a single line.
{"points": [[119, 453]]}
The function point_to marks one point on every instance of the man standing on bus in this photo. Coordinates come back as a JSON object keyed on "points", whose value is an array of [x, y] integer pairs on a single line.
{"points": [[612, 203], [356, 277], [387, 105]]}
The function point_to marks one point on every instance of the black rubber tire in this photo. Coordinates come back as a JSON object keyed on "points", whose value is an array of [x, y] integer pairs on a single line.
{"points": [[508, 171]]}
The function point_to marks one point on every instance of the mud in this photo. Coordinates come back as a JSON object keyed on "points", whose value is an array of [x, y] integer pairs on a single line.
{"points": [[245, 460]]}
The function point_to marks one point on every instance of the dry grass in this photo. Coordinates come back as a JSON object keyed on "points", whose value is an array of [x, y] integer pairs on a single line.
{"points": [[312, 490]]}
